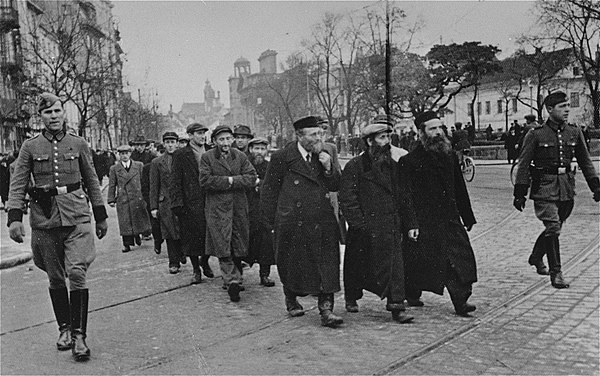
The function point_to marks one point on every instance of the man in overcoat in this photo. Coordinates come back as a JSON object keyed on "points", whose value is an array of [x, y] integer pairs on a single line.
{"points": [[296, 204], [187, 198], [261, 238], [154, 222], [62, 239], [545, 163], [242, 135], [442, 256], [140, 153], [125, 191], [226, 174], [161, 171], [376, 203]]}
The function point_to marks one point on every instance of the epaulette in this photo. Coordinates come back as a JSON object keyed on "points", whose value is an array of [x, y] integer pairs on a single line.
{"points": [[32, 138]]}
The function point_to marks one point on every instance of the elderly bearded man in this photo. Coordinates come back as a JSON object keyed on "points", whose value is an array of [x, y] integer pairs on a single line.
{"points": [[376, 203], [296, 204], [442, 256], [62, 240]]}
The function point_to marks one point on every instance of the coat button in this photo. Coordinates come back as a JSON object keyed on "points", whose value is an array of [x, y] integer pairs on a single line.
{"points": [[327, 195], [299, 223], [298, 204], [296, 181]]}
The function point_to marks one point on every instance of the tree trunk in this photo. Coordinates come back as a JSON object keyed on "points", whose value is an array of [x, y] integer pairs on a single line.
{"points": [[472, 104], [596, 108]]}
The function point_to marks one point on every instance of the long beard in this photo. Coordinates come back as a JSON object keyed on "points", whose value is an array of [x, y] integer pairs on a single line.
{"points": [[379, 152], [256, 159], [437, 144]]}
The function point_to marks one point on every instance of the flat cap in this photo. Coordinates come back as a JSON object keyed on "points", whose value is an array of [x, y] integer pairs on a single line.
{"points": [[139, 140], [555, 98], [47, 100], [242, 130], [170, 136], [530, 117], [424, 117], [195, 127], [307, 122], [258, 141], [220, 129], [160, 148], [384, 119], [124, 148], [373, 129]]}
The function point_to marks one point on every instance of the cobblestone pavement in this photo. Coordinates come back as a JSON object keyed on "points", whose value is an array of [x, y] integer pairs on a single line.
{"points": [[145, 321]]}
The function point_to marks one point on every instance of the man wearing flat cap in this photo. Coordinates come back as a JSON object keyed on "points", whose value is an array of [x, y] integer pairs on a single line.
{"points": [[226, 174], [242, 135], [140, 152], [62, 239], [377, 205], [187, 198], [545, 164], [442, 256], [296, 204]]}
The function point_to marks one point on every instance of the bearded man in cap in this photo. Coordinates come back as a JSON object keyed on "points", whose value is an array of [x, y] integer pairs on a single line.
{"points": [[442, 256], [545, 162], [242, 135], [226, 174], [187, 198], [62, 240], [296, 204], [376, 203]]}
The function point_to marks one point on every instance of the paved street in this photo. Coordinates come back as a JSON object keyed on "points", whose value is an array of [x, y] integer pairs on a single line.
{"points": [[145, 321]]}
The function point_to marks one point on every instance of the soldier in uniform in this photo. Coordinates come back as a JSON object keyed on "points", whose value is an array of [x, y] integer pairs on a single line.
{"points": [[242, 135], [551, 147], [61, 234]]}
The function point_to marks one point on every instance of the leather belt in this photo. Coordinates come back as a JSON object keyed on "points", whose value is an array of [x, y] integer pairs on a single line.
{"points": [[554, 170], [56, 191]]}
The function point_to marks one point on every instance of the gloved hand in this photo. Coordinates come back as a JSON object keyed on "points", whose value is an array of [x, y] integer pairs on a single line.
{"points": [[519, 203], [16, 231], [597, 195]]}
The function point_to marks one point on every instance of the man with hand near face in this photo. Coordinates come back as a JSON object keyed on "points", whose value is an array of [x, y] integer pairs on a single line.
{"points": [[62, 238], [295, 202]]}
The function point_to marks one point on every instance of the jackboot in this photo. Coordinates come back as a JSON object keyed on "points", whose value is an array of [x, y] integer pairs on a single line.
{"points": [[79, 312], [553, 252], [60, 305], [206, 267], [539, 250], [325, 304]]}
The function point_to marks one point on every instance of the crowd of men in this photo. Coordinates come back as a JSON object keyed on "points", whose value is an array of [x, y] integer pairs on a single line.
{"points": [[408, 213]]}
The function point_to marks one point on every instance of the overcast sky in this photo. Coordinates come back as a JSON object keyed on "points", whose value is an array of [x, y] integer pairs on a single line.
{"points": [[173, 47]]}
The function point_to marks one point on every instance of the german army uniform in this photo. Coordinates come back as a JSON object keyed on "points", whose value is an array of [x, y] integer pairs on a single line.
{"points": [[545, 162], [61, 233]]}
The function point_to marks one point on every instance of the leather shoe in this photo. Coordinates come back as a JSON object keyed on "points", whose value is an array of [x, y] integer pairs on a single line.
{"points": [[138, 240], [208, 273], [173, 269], [558, 281], [294, 308], [415, 302], [398, 316], [351, 306], [234, 291], [541, 269], [197, 278], [330, 320], [266, 281], [465, 309], [126, 249], [157, 250], [183, 260]]}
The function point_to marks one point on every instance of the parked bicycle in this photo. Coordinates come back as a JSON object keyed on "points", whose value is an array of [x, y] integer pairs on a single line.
{"points": [[467, 165]]}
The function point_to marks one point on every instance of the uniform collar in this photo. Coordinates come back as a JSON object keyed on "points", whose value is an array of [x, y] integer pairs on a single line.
{"points": [[50, 136], [554, 125]]}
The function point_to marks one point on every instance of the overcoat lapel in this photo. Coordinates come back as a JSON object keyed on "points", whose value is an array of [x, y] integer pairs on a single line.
{"points": [[369, 173], [298, 165]]}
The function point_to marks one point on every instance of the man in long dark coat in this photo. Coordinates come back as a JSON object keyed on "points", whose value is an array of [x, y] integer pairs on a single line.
{"points": [[442, 256], [296, 204], [376, 203], [261, 238], [187, 197], [226, 174], [140, 154]]}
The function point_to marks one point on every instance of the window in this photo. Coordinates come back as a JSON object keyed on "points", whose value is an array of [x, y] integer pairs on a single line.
{"points": [[499, 106], [514, 105], [469, 112], [478, 108], [488, 107], [574, 99], [576, 71]]}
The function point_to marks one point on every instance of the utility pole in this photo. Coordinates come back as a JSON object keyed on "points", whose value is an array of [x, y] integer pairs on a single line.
{"points": [[388, 53]]}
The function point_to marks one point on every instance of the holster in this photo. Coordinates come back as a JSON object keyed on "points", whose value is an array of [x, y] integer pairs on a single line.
{"points": [[536, 176], [43, 199]]}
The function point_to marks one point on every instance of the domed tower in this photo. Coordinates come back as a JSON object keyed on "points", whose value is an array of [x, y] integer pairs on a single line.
{"points": [[209, 96], [268, 62], [241, 67]]}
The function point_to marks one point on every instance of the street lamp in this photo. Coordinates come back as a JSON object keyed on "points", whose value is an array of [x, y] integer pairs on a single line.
{"points": [[530, 96]]}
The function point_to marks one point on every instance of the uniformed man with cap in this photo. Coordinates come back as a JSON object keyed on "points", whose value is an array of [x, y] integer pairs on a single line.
{"points": [[62, 237], [376, 203], [296, 204], [545, 165], [242, 135], [187, 198]]}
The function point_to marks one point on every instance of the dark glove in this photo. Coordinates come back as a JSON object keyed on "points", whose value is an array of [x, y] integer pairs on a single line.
{"points": [[519, 203], [179, 211], [597, 195]]}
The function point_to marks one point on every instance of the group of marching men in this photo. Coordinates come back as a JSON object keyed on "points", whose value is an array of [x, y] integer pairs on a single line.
{"points": [[407, 213]]}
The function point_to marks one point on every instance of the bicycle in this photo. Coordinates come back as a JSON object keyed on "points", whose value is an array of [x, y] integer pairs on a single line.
{"points": [[467, 165], [513, 172]]}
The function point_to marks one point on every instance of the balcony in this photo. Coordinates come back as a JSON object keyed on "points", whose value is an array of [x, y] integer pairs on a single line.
{"points": [[9, 18]]}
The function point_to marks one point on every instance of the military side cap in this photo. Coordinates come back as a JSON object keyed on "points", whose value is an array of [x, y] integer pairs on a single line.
{"points": [[195, 127], [170, 136], [555, 98], [139, 140], [424, 117], [373, 129], [258, 141], [47, 100], [124, 148], [242, 130], [307, 122], [383, 119], [220, 129]]}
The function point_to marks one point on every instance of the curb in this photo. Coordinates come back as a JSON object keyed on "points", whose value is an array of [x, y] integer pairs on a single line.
{"points": [[15, 260]]}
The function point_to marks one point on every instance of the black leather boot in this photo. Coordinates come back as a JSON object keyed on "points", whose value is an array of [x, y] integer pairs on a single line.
{"points": [[325, 304], [60, 305], [553, 252], [539, 250], [79, 312], [294, 308], [264, 272], [206, 267]]}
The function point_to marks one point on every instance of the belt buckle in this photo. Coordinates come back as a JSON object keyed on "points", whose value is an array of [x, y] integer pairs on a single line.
{"points": [[561, 170], [61, 190]]}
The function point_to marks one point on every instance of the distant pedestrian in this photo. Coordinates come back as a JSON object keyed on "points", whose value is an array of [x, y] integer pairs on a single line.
{"points": [[376, 203], [442, 256], [551, 147], [296, 204], [489, 133], [154, 222], [5, 162], [225, 175], [510, 144], [125, 191]]}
